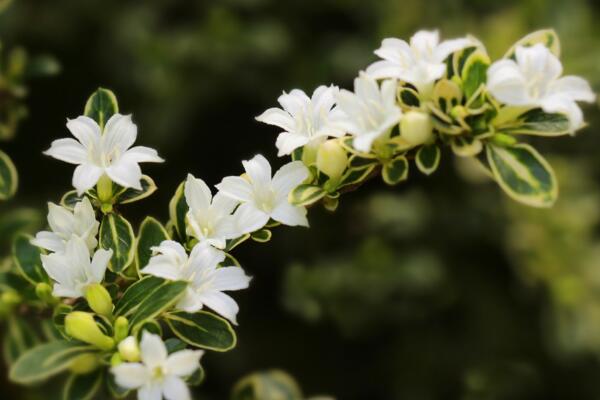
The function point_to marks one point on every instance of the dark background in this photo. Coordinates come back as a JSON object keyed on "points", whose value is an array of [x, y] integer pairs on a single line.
{"points": [[439, 289]]}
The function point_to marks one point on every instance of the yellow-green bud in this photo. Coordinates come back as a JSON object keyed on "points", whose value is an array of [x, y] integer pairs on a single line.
{"points": [[44, 292], [84, 363], [309, 153], [104, 188], [332, 159], [121, 328], [99, 299], [416, 127], [115, 359], [129, 349], [82, 326], [10, 298]]}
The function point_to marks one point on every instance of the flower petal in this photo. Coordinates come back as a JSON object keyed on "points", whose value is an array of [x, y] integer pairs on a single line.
{"points": [[287, 142], [130, 375], [294, 102], [126, 173], [574, 87], [288, 177], [506, 82], [197, 193], [100, 263], [85, 129], [174, 388], [230, 278], [248, 218], [184, 362], [85, 177], [290, 215], [236, 187], [140, 154], [222, 304], [60, 219], [153, 350], [49, 241], [68, 150], [258, 170], [150, 391], [277, 117], [119, 133]]}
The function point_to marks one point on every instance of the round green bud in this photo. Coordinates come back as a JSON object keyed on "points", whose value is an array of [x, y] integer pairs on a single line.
{"points": [[44, 292], [99, 299], [121, 328], [82, 326], [416, 127], [332, 158], [84, 364]]}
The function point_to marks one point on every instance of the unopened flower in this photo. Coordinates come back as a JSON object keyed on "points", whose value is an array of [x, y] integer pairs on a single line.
{"points": [[420, 63], [304, 119], [371, 111], [263, 196], [534, 79], [159, 374], [64, 224], [96, 153], [206, 280], [209, 218], [72, 270]]}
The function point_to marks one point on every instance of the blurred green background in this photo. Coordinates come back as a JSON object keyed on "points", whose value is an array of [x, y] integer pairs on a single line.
{"points": [[440, 289]]}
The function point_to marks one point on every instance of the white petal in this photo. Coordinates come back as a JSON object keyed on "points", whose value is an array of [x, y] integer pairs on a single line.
{"points": [[64, 290], [277, 117], [140, 154], [236, 188], [153, 350], [60, 219], [294, 102], [223, 205], [85, 177], [85, 129], [68, 150], [289, 177], [197, 193], [126, 173], [538, 61], [290, 215], [424, 42], [49, 241], [448, 47], [222, 304], [190, 302], [564, 105], [54, 265], [230, 278], [174, 388], [573, 87], [287, 142], [184, 362], [204, 256], [163, 270], [249, 219], [385, 69], [130, 375], [150, 391], [77, 254], [365, 141], [258, 170], [100, 263], [506, 82], [119, 132]]}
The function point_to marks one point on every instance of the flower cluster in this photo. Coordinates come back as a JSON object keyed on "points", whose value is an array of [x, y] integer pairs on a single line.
{"points": [[116, 293]]}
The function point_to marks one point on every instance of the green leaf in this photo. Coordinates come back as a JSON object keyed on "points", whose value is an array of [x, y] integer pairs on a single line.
{"points": [[147, 298], [358, 162], [82, 387], [101, 105], [27, 259], [306, 194], [395, 170], [547, 37], [46, 360], [267, 385], [178, 209], [69, 199], [261, 236], [428, 158], [523, 174], [233, 243], [130, 195], [152, 233], [19, 337], [9, 179], [474, 73], [465, 146], [202, 329], [355, 176], [116, 233], [539, 123]]}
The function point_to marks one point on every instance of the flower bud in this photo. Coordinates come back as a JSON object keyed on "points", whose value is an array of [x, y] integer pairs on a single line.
{"points": [[99, 299], [121, 328], [115, 359], [44, 292], [416, 127], [81, 325], [104, 188], [129, 349], [332, 159], [84, 364]]}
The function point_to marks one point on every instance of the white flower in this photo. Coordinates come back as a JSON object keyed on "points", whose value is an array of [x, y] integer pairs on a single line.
{"points": [[263, 197], [303, 119], [370, 112], [64, 224], [96, 153], [420, 63], [158, 374], [209, 218], [206, 280], [533, 80], [72, 270]]}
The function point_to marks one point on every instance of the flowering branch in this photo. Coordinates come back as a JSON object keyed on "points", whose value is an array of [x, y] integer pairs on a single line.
{"points": [[126, 306]]}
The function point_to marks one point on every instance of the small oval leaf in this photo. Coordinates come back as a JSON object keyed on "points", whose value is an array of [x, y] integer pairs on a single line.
{"points": [[9, 179], [152, 233], [395, 171], [101, 105], [116, 233], [202, 329], [306, 194], [27, 259], [428, 158]]}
